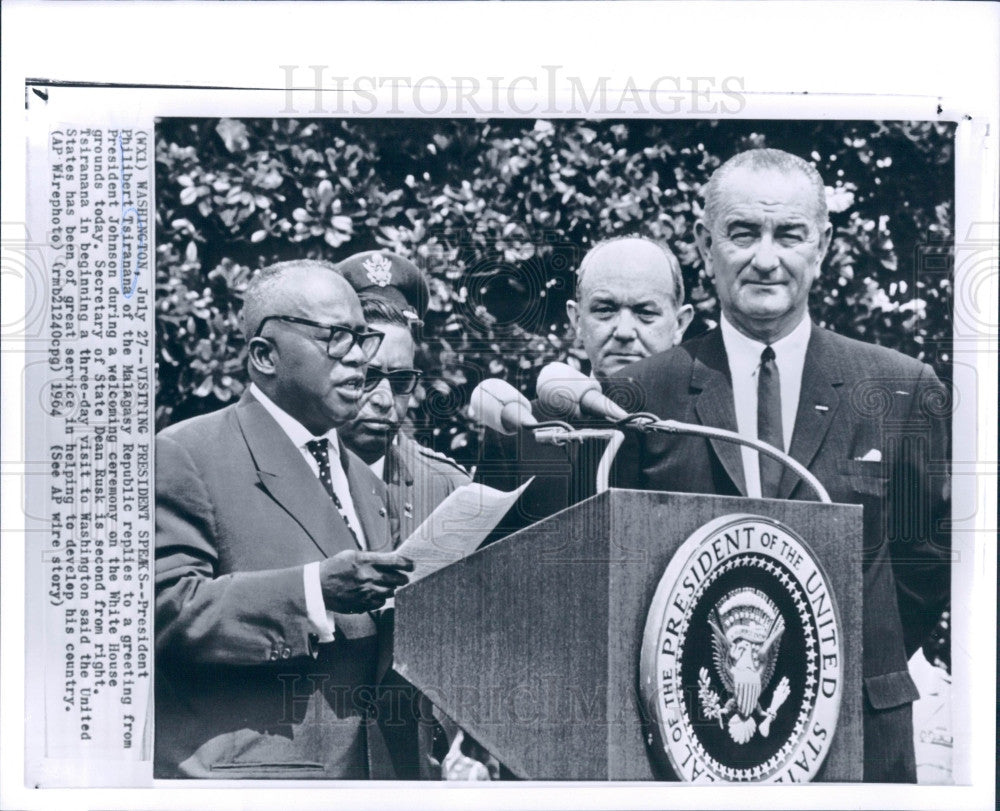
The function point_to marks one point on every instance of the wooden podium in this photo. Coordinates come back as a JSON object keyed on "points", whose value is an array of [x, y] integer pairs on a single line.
{"points": [[533, 644]]}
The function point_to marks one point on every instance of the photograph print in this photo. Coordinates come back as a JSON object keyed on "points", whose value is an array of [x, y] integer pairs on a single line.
{"points": [[679, 335]]}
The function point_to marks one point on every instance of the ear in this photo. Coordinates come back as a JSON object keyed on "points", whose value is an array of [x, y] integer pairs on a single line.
{"points": [[825, 239], [573, 312], [703, 239], [684, 316], [263, 356]]}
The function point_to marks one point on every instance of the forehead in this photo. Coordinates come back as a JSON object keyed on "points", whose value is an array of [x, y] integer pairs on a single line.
{"points": [[397, 349], [769, 193], [321, 295], [628, 271]]}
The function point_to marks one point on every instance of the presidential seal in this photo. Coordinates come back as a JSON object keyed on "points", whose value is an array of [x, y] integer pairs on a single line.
{"points": [[741, 661]]}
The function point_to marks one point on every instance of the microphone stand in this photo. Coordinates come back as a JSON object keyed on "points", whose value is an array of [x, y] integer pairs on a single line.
{"points": [[560, 433], [556, 432], [649, 422]]}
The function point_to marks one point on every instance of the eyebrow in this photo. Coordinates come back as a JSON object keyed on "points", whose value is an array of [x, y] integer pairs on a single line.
{"points": [[755, 225], [742, 224], [607, 298]]}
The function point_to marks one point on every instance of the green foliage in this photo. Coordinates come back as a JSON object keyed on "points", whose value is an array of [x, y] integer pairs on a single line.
{"points": [[499, 214]]}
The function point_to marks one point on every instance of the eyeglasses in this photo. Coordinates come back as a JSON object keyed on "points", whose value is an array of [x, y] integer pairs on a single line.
{"points": [[401, 381], [341, 339]]}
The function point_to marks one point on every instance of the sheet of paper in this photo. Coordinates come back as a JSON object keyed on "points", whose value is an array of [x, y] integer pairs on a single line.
{"points": [[457, 527]]}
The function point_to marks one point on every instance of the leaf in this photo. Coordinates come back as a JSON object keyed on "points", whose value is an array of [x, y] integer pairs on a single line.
{"points": [[233, 134], [324, 193], [335, 238], [205, 388], [188, 195], [341, 223]]}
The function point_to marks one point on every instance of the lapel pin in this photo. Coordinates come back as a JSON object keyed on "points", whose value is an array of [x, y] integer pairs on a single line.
{"points": [[822, 408]]}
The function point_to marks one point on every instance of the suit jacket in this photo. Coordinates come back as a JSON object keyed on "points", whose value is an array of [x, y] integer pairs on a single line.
{"points": [[243, 689], [855, 398]]}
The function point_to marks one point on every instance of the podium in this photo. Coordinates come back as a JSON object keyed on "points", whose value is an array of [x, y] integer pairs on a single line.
{"points": [[566, 652]]}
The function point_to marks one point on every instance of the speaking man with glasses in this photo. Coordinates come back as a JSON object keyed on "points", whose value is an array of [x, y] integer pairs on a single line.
{"points": [[273, 545]]}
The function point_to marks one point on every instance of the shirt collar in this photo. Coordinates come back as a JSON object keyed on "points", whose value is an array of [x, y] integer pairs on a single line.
{"points": [[745, 351], [294, 430]]}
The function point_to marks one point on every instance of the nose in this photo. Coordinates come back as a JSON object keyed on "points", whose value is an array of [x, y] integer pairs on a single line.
{"points": [[381, 396], [765, 258], [625, 326], [355, 356]]}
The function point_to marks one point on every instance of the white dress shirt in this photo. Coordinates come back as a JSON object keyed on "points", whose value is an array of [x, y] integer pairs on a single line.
{"points": [[743, 354], [378, 467], [299, 435]]}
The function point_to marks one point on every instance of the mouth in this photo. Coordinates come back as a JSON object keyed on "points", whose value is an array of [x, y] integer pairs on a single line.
{"points": [[758, 283], [625, 357], [376, 426], [351, 388]]}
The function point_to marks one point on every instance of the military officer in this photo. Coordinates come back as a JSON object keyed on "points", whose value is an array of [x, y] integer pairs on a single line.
{"points": [[394, 296]]}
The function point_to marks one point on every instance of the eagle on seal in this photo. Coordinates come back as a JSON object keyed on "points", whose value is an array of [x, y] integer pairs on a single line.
{"points": [[746, 634]]}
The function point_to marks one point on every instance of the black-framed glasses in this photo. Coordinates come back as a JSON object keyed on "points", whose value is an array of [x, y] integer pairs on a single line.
{"points": [[341, 339], [401, 381]]}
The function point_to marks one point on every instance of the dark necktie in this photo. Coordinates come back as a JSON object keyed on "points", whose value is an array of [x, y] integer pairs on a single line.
{"points": [[319, 448], [769, 421]]}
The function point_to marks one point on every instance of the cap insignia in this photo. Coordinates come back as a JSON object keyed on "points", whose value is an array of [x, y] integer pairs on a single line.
{"points": [[379, 270]]}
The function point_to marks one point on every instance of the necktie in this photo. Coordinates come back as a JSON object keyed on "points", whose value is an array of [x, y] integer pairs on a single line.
{"points": [[769, 421], [319, 448]]}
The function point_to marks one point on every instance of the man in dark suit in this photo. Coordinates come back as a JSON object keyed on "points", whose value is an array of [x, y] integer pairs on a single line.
{"points": [[629, 305], [269, 552], [869, 422]]}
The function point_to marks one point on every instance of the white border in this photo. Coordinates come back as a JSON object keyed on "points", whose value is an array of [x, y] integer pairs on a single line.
{"points": [[872, 60]]}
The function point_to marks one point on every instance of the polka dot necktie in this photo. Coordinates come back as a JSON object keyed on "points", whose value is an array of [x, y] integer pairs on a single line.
{"points": [[319, 448], [769, 428]]}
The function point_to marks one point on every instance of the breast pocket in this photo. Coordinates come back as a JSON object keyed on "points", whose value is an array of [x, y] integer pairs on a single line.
{"points": [[866, 483], [863, 477]]}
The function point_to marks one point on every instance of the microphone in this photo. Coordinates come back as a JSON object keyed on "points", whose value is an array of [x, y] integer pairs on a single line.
{"points": [[498, 405], [563, 389]]}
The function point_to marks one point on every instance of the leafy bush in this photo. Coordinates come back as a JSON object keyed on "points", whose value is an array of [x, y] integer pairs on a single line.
{"points": [[499, 214]]}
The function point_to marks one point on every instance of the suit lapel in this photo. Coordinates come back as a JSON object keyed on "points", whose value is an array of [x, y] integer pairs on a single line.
{"points": [[713, 390], [285, 475], [819, 400], [369, 500]]}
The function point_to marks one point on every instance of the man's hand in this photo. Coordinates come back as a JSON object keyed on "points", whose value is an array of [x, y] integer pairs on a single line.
{"points": [[354, 582], [477, 765]]}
